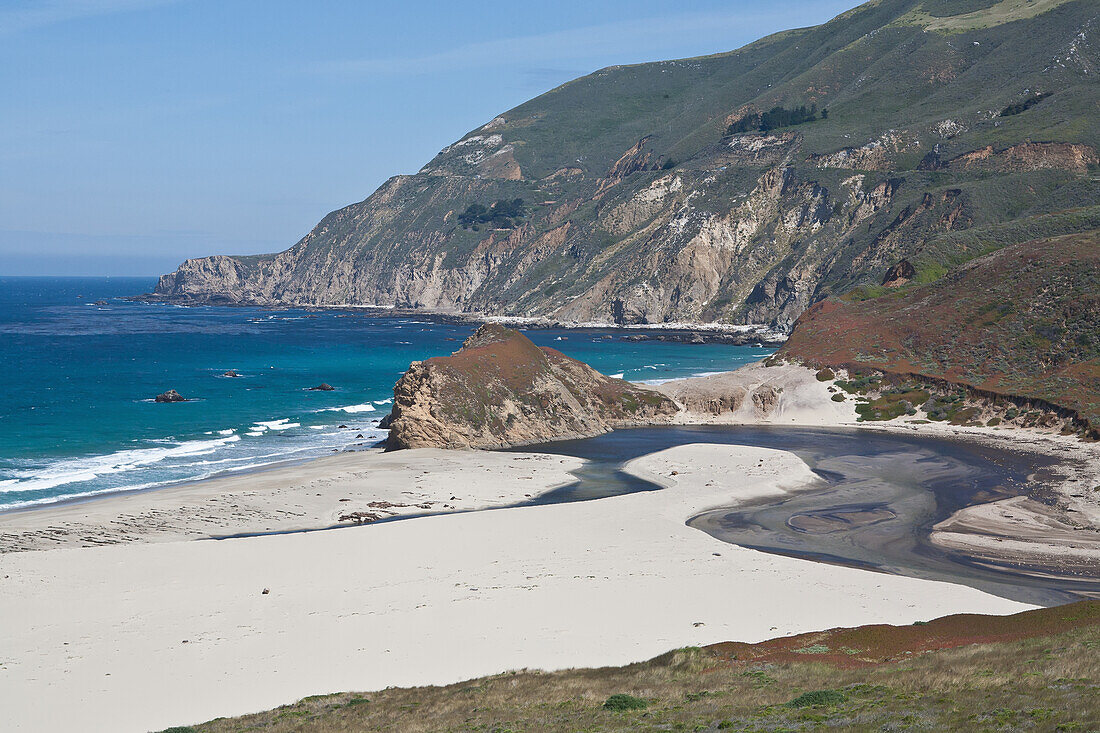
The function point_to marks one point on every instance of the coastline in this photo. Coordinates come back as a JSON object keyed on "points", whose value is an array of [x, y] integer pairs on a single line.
{"points": [[312, 494], [430, 601], [685, 332], [452, 595], [299, 496]]}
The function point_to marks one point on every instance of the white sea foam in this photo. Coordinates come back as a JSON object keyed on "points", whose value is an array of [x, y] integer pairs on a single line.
{"points": [[351, 409], [383, 402], [281, 424], [616, 376], [654, 382], [73, 470], [227, 431], [144, 460]]}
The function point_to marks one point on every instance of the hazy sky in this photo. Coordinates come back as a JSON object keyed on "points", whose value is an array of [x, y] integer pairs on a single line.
{"points": [[136, 133]]}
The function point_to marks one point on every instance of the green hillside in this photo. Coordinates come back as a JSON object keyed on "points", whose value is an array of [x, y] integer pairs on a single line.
{"points": [[651, 194]]}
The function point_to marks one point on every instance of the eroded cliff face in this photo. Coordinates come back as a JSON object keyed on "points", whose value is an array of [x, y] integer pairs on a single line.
{"points": [[641, 208], [501, 390]]}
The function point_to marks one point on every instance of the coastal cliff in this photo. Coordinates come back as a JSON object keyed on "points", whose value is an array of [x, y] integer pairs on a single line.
{"points": [[736, 188], [501, 390]]}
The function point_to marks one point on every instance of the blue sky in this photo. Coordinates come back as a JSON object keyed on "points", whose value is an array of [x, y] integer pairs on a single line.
{"points": [[136, 133]]}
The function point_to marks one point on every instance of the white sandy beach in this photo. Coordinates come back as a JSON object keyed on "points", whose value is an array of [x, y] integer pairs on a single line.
{"points": [[142, 636], [308, 495]]}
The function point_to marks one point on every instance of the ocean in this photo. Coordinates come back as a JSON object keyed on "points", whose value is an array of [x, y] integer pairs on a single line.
{"points": [[81, 367]]}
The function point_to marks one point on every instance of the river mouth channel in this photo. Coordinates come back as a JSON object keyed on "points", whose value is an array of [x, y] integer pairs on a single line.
{"points": [[880, 495]]}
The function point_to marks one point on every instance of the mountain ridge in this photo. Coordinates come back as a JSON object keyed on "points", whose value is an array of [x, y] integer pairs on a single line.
{"points": [[641, 209]]}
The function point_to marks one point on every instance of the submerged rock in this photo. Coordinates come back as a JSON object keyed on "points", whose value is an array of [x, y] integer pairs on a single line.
{"points": [[170, 396], [500, 389], [231, 373]]}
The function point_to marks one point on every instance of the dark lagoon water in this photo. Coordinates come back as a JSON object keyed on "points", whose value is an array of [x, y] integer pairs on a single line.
{"points": [[880, 495], [76, 416]]}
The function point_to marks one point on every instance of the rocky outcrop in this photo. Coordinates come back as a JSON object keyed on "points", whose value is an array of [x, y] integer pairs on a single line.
{"points": [[899, 274], [1028, 157], [501, 390], [170, 396]]}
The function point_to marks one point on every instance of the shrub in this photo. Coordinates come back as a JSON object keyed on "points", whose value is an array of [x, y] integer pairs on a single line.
{"points": [[621, 702], [838, 397], [773, 118], [818, 697], [826, 375], [499, 214], [1024, 106]]}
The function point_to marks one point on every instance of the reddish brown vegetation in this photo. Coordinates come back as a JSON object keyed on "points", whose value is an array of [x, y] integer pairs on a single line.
{"points": [[864, 646], [1023, 321]]}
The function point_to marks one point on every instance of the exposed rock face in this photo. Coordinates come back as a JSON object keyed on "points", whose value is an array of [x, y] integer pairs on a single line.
{"points": [[642, 209], [322, 387], [501, 390], [766, 392], [170, 396], [899, 274]]}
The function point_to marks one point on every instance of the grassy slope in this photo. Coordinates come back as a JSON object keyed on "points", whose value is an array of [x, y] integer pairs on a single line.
{"points": [[1023, 321], [870, 67], [1038, 670]]}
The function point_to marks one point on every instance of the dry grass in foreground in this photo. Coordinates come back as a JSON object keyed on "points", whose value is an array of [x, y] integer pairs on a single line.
{"points": [[1034, 671]]}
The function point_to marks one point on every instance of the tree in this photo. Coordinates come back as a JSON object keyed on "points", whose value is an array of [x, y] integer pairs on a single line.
{"points": [[500, 214]]}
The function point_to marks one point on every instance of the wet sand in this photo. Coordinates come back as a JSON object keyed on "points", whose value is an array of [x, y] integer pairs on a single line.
{"points": [[883, 497]]}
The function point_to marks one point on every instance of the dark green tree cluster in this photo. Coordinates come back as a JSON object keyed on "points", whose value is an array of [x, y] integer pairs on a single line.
{"points": [[1024, 106], [776, 117], [502, 214]]}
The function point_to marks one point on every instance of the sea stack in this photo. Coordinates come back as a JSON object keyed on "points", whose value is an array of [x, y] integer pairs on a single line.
{"points": [[170, 396], [322, 387], [501, 390]]}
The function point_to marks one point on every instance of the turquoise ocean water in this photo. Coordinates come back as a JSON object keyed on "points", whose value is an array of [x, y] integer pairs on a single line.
{"points": [[76, 410]]}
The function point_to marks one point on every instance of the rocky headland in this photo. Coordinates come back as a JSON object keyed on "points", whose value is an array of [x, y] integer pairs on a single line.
{"points": [[502, 390], [898, 146]]}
